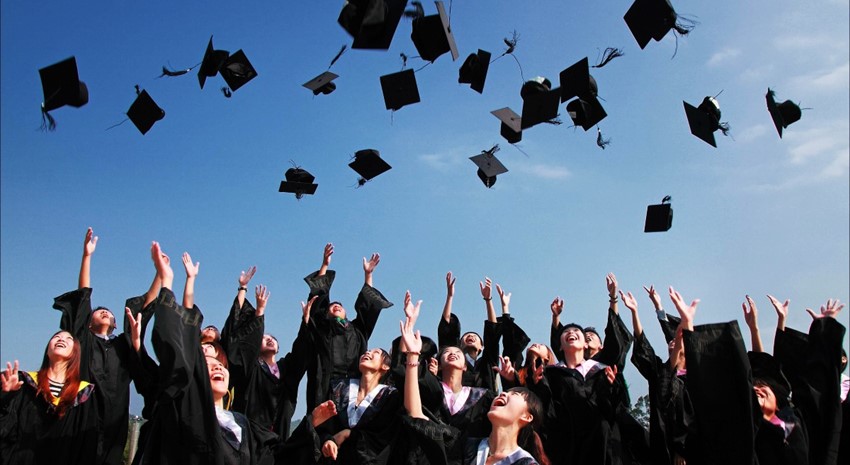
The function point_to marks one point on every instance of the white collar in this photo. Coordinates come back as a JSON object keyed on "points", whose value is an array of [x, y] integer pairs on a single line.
{"points": [[356, 411]]}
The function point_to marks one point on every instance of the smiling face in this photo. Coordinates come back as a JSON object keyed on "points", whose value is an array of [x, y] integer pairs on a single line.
{"points": [[471, 341], [573, 339], [538, 352], [374, 360], [508, 408], [269, 345], [766, 398], [452, 358], [210, 333], [61, 346], [219, 378], [336, 310], [102, 320], [593, 341]]}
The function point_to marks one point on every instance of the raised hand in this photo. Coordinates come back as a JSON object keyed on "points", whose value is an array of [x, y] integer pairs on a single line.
{"points": [[411, 340], [162, 265], [781, 311], [433, 366], [611, 374], [611, 284], [326, 256], [370, 265], [557, 306], [9, 378], [751, 313], [505, 297], [411, 311], [323, 412], [191, 270], [687, 312], [261, 293], [450, 284], [653, 296], [246, 275], [486, 288], [135, 328], [90, 244], [305, 309], [505, 368], [830, 309], [629, 301]]}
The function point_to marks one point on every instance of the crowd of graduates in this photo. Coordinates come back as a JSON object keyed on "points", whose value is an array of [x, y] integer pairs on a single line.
{"points": [[224, 396]]}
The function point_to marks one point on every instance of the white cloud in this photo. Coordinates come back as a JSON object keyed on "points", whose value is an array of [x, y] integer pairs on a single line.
{"points": [[545, 171], [439, 161], [752, 133], [824, 80], [723, 56], [813, 144]]}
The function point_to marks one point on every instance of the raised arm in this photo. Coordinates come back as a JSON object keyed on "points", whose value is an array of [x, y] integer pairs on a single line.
{"points": [[191, 274], [611, 284], [450, 293], [244, 278], [630, 303], [89, 245], [751, 318], [487, 293], [557, 307], [686, 312], [413, 343], [369, 267], [326, 259], [781, 311]]}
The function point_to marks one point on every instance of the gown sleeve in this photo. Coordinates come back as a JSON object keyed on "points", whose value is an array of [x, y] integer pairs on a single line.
{"points": [[368, 306]]}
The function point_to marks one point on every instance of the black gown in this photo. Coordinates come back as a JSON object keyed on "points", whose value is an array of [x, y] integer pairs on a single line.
{"points": [[264, 398], [184, 428], [107, 362], [337, 346]]}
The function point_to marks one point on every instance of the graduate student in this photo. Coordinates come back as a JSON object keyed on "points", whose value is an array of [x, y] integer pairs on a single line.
{"points": [[337, 341], [479, 355], [514, 417], [108, 361]]}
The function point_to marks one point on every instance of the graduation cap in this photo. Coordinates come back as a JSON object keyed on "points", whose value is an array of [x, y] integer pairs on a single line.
{"points": [[237, 70], [489, 166], [769, 371], [511, 128], [473, 71], [322, 84], [372, 23], [652, 19], [705, 119], [659, 218], [298, 182], [212, 63], [783, 114], [586, 112], [62, 86], [539, 102], [432, 35], [368, 164], [399, 89], [576, 81], [144, 112]]}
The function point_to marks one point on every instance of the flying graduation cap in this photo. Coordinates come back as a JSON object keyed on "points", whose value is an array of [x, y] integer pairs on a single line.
{"points": [[299, 182], [323, 83], [144, 112], [368, 164], [473, 71], [488, 166], [576, 81], [61, 85], [704, 120], [659, 218], [399, 89], [653, 19], [511, 128], [539, 102], [212, 62], [432, 35], [372, 23], [783, 114], [235, 69]]}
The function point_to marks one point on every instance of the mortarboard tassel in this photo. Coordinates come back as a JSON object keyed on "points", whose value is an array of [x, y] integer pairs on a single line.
{"points": [[609, 54], [47, 121], [724, 128], [226, 91], [339, 54], [600, 141], [170, 73]]}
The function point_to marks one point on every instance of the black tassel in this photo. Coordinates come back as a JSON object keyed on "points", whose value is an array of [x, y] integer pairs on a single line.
{"points": [[403, 60], [138, 91], [226, 92], [725, 128], [118, 124], [170, 73], [609, 54], [416, 12], [683, 26], [339, 54], [600, 141], [554, 121], [47, 121], [511, 43]]}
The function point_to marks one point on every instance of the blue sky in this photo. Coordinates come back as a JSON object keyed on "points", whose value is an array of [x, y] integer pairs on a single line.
{"points": [[757, 215]]}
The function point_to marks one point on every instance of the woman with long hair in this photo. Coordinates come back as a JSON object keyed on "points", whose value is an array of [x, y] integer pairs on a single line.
{"points": [[46, 416], [515, 416]]}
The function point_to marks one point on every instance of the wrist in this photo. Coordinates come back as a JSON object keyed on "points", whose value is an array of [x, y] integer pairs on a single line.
{"points": [[242, 288], [488, 299]]}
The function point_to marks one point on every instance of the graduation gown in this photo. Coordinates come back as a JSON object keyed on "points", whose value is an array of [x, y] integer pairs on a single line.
{"points": [[31, 433], [264, 398], [336, 347], [107, 363], [480, 373], [471, 416]]}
